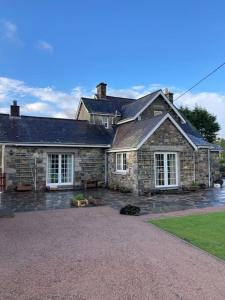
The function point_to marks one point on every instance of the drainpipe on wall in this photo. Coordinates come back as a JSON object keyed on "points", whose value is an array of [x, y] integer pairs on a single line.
{"points": [[35, 174], [3, 161], [194, 167], [209, 168], [106, 169]]}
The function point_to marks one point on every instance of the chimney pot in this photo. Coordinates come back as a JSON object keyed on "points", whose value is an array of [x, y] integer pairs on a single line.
{"points": [[101, 90], [14, 110], [169, 95]]}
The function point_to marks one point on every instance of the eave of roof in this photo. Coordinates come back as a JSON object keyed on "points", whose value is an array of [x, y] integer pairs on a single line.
{"points": [[136, 133]]}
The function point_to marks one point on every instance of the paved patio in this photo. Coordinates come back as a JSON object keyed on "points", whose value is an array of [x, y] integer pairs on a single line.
{"points": [[97, 254], [28, 201]]}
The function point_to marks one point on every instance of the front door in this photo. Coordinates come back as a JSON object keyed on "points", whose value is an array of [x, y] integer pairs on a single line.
{"points": [[60, 169], [166, 171]]}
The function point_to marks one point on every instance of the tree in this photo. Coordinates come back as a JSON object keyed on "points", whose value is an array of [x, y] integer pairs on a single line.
{"points": [[221, 142], [202, 120]]}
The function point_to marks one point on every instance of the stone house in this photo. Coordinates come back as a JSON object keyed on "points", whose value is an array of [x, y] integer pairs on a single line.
{"points": [[140, 144]]}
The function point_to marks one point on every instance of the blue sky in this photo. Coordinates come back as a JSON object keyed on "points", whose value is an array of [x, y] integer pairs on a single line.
{"points": [[52, 52]]}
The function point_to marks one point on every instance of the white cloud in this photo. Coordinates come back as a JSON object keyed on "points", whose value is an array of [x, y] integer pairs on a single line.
{"points": [[135, 91], [60, 115], [9, 32], [48, 101], [45, 46], [35, 107]]}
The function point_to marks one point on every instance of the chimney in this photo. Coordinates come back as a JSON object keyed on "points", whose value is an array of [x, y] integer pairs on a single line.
{"points": [[169, 95], [14, 110], [101, 90]]}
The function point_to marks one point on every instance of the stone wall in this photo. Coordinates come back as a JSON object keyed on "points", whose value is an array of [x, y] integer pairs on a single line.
{"points": [[89, 163], [202, 168], [128, 180], [166, 139], [158, 105], [215, 165]]}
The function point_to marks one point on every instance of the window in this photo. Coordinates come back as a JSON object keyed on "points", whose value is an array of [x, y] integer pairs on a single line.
{"points": [[60, 169], [105, 121], [100, 120], [121, 162], [157, 113], [166, 173]]}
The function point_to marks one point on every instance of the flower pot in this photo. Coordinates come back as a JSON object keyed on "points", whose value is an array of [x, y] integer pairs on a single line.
{"points": [[24, 187], [79, 203], [194, 188]]}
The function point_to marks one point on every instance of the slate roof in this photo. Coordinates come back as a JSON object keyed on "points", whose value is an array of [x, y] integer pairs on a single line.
{"points": [[194, 135], [52, 131], [131, 109], [109, 105], [129, 135]]}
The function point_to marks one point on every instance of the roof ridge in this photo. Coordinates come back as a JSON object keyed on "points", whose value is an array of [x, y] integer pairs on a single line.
{"points": [[141, 98], [42, 117], [149, 94], [132, 99]]}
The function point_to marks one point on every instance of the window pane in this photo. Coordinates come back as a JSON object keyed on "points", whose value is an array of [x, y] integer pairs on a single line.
{"points": [[171, 169], [159, 169], [66, 168], [118, 161], [105, 121], [124, 161], [53, 168], [166, 169]]}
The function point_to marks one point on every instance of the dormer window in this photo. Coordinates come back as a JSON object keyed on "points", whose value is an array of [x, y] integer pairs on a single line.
{"points": [[100, 120], [105, 121]]}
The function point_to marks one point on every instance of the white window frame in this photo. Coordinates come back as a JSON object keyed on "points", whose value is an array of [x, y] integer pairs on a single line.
{"points": [[105, 121], [60, 183], [166, 170], [122, 170]]}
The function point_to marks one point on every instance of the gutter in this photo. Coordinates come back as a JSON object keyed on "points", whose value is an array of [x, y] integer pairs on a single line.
{"points": [[57, 145], [125, 121], [121, 150]]}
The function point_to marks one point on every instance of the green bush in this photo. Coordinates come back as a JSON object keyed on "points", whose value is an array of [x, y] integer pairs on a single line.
{"points": [[79, 197], [194, 184]]}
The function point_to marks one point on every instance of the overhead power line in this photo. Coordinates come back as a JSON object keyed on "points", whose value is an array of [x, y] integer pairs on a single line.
{"points": [[197, 83]]}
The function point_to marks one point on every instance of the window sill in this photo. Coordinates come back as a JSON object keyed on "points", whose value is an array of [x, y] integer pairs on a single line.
{"points": [[120, 172], [167, 187]]}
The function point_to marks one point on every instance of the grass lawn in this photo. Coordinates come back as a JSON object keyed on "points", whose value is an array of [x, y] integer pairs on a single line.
{"points": [[205, 231]]}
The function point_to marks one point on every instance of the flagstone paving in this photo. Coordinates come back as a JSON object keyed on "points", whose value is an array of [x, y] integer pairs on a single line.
{"points": [[29, 201]]}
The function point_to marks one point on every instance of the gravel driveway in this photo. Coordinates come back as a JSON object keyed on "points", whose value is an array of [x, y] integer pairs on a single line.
{"points": [[95, 253]]}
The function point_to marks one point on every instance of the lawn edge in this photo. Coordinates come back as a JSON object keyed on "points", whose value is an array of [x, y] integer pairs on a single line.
{"points": [[187, 243]]}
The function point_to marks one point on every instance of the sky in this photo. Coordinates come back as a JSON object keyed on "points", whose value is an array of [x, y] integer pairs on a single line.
{"points": [[54, 52]]}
